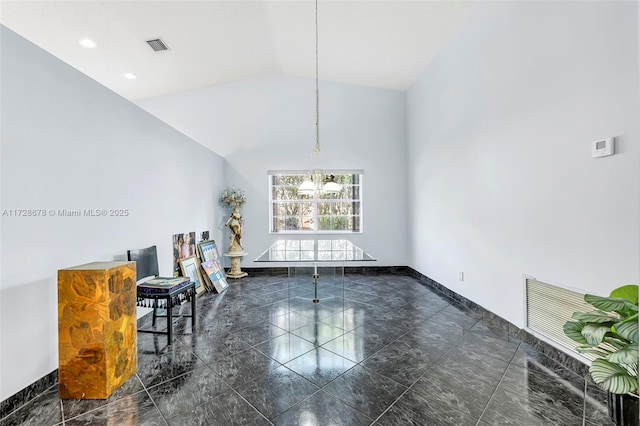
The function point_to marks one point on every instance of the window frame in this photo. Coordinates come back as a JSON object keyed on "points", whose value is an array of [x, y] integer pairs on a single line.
{"points": [[315, 201]]}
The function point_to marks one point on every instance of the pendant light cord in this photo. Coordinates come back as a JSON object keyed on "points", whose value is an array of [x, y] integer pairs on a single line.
{"points": [[317, 91]]}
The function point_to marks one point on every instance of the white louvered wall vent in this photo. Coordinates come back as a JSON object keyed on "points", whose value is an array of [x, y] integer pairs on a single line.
{"points": [[548, 307], [157, 44]]}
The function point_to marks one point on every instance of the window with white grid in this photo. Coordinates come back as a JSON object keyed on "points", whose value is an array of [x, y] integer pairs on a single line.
{"points": [[292, 212]]}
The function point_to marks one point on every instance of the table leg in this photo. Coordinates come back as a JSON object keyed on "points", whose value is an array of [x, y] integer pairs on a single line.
{"points": [[193, 313], [155, 310], [170, 320], [315, 287]]}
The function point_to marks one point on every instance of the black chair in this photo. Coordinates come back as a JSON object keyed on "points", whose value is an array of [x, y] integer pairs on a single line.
{"points": [[161, 293]]}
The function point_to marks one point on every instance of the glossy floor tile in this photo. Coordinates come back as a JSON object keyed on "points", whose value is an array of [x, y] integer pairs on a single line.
{"points": [[382, 349]]}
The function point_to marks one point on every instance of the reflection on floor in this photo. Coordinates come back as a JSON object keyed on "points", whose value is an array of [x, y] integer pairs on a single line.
{"points": [[382, 350]]}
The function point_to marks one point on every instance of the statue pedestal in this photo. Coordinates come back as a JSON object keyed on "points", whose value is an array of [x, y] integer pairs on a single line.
{"points": [[235, 271]]}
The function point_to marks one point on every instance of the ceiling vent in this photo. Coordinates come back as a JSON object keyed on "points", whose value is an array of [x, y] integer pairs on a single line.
{"points": [[157, 44]]}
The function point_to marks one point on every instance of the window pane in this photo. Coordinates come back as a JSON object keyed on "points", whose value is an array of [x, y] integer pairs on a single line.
{"points": [[322, 196], [291, 223], [348, 192], [342, 208], [324, 208], [293, 208], [284, 193], [324, 223], [287, 180], [354, 192], [344, 179], [334, 223], [340, 223]]}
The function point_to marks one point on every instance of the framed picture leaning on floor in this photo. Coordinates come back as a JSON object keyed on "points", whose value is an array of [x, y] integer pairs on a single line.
{"points": [[215, 275], [212, 266], [207, 250], [191, 268]]}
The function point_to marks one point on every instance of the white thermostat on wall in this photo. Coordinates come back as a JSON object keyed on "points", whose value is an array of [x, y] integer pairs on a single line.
{"points": [[602, 148]]}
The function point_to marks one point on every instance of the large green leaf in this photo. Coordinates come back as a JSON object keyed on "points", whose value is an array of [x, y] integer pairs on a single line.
{"points": [[595, 316], [628, 355], [628, 292], [616, 342], [612, 304], [573, 330], [594, 333], [628, 329], [612, 377]]}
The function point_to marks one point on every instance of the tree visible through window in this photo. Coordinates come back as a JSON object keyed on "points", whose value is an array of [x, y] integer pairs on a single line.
{"points": [[292, 212]]}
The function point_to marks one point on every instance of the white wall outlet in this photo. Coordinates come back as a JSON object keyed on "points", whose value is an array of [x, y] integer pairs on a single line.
{"points": [[461, 276], [602, 148]]}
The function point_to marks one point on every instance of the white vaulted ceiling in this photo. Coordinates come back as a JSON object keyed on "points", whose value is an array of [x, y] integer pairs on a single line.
{"points": [[373, 43]]}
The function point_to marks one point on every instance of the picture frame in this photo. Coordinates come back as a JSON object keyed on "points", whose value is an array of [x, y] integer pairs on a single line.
{"points": [[213, 274], [190, 267], [207, 250], [184, 245]]}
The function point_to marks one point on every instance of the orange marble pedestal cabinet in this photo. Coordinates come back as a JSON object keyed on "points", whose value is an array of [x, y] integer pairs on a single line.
{"points": [[97, 340]]}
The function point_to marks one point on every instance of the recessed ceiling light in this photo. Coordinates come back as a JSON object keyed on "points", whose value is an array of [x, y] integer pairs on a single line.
{"points": [[130, 75], [85, 42]]}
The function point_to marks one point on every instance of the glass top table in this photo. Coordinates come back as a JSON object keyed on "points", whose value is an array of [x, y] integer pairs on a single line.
{"points": [[335, 252], [314, 251]]}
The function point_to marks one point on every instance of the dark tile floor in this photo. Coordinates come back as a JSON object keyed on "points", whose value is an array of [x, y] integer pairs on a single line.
{"points": [[384, 350]]}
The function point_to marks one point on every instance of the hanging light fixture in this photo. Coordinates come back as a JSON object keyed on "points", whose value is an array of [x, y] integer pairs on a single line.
{"points": [[315, 181], [307, 187], [330, 185]]}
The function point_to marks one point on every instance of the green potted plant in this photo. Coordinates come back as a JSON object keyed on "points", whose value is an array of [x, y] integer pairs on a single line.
{"points": [[610, 333]]}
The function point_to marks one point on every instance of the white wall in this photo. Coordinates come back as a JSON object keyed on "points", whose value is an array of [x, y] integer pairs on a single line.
{"points": [[499, 132], [70, 143], [269, 124]]}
